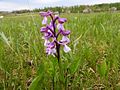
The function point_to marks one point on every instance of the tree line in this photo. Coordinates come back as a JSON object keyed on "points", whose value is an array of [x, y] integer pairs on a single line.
{"points": [[75, 9]]}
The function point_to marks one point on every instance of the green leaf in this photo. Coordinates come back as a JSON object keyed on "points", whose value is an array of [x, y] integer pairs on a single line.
{"points": [[35, 83], [5, 39], [4, 69], [102, 68], [74, 66], [40, 69]]}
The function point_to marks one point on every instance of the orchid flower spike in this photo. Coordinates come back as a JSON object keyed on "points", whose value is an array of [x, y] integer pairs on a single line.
{"points": [[52, 31]]}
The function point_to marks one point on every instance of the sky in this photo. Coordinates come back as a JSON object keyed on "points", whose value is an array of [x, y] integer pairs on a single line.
{"points": [[10, 5]]}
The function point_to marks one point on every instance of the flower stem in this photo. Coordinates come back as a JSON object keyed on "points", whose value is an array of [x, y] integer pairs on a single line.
{"points": [[61, 77], [58, 51], [53, 83]]}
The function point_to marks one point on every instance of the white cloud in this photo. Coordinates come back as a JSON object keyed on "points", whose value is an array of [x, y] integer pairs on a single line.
{"points": [[102, 1], [7, 6], [46, 1]]}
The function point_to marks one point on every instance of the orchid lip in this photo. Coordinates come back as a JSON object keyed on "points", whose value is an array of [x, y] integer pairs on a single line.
{"points": [[60, 27], [51, 45], [48, 35], [65, 40], [66, 49], [44, 20], [50, 51]]}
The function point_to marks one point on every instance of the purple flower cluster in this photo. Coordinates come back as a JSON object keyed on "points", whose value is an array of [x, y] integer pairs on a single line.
{"points": [[51, 32]]}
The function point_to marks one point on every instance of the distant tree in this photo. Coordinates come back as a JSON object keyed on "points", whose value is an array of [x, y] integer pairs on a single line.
{"points": [[73, 9]]}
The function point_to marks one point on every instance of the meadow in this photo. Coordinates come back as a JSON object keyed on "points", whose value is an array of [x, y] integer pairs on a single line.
{"points": [[92, 64]]}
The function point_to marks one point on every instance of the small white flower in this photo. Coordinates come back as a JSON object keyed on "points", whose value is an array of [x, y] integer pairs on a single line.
{"points": [[1, 17]]}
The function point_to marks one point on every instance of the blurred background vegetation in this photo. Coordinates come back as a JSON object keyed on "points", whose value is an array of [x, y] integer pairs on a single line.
{"points": [[72, 9]]}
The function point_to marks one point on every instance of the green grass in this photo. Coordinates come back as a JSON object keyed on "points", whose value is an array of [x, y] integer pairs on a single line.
{"points": [[92, 64]]}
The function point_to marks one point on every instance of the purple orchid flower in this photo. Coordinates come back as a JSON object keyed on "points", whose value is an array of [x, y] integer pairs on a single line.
{"points": [[60, 27], [45, 15], [44, 29], [51, 48], [48, 13], [62, 20], [51, 35]]}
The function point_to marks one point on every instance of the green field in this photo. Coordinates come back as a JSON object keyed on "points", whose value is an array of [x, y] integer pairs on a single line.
{"points": [[92, 64]]}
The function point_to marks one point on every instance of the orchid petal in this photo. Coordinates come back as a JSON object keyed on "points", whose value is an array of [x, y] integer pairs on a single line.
{"points": [[50, 51], [62, 20], [45, 14], [66, 49], [65, 40], [46, 42], [44, 20], [51, 45], [60, 27], [51, 48], [44, 29], [65, 32], [48, 35]]}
